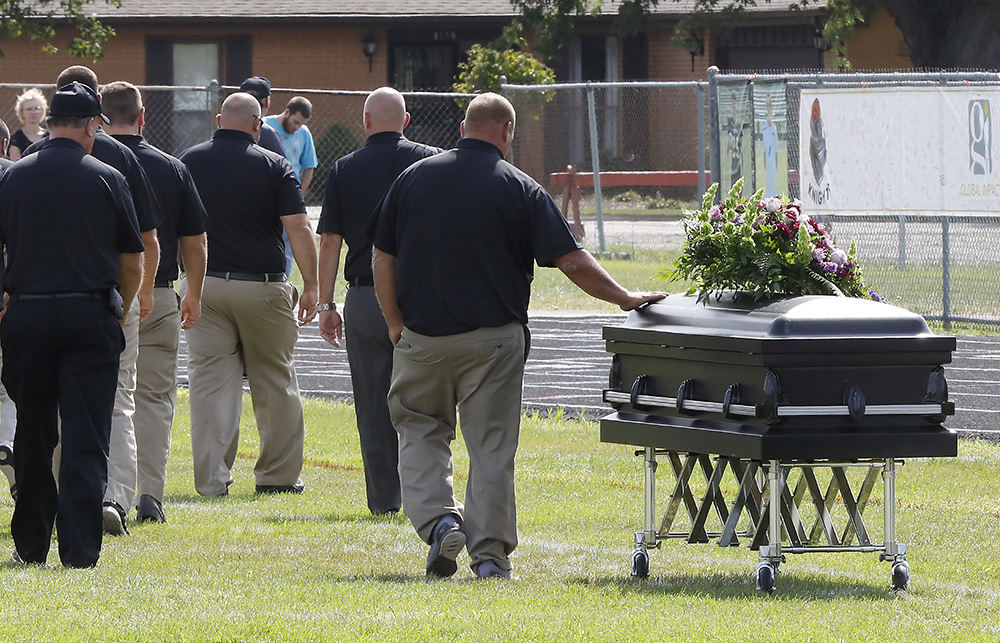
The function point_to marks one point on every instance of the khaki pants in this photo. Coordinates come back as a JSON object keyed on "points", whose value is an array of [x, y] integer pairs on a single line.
{"points": [[480, 373], [121, 455], [8, 415], [156, 391], [251, 325]]}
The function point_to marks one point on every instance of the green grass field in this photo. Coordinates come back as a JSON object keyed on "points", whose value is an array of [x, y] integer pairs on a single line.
{"points": [[318, 567]]}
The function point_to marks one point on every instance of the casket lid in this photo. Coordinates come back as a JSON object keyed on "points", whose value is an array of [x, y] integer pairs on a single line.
{"points": [[735, 317]]}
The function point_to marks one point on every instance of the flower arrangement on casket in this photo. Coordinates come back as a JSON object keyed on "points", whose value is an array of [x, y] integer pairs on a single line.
{"points": [[766, 247]]}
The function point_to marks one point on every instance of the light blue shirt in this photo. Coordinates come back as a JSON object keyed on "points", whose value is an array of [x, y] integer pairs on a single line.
{"points": [[299, 148]]}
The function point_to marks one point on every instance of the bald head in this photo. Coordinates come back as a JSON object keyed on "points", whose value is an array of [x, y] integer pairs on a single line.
{"points": [[241, 111], [490, 117], [385, 111]]}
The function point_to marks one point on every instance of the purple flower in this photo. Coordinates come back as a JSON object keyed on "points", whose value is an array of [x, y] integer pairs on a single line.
{"points": [[819, 254], [772, 204], [874, 296], [758, 222], [715, 213], [828, 266], [838, 257]]}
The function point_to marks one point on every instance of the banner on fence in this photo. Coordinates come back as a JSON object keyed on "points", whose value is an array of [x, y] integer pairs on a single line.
{"points": [[735, 120], [770, 138], [899, 149]]}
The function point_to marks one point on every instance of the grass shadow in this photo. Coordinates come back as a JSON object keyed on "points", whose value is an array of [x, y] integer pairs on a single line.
{"points": [[394, 578], [730, 585], [277, 518]]}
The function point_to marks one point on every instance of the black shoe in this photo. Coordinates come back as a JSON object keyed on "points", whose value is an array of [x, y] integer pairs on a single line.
{"points": [[149, 509], [298, 487], [114, 519], [447, 541], [490, 569]]}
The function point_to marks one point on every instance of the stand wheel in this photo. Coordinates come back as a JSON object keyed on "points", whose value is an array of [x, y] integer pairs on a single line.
{"points": [[765, 577], [640, 563], [900, 575]]}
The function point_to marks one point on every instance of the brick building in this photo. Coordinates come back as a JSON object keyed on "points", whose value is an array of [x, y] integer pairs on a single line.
{"points": [[414, 45]]}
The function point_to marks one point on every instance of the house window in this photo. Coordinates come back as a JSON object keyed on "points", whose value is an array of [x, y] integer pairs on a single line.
{"points": [[423, 66], [195, 64], [179, 119]]}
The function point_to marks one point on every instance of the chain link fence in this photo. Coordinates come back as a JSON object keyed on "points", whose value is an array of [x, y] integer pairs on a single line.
{"points": [[179, 117], [929, 256], [635, 151], [655, 147]]}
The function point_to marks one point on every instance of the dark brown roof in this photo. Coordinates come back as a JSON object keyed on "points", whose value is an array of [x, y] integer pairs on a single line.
{"points": [[299, 9]]}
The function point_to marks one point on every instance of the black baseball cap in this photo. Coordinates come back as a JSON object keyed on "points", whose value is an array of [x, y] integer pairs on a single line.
{"points": [[76, 100], [258, 86]]}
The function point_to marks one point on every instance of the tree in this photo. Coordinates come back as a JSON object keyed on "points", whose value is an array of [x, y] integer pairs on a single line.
{"points": [[36, 19], [505, 56], [939, 33]]}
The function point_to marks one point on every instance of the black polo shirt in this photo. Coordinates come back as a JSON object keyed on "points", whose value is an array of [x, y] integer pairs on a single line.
{"points": [[246, 190], [180, 206], [355, 185], [466, 228], [110, 151], [64, 219], [270, 140]]}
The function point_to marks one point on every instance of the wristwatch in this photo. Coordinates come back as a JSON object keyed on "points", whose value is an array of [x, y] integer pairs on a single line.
{"points": [[325, 307]]}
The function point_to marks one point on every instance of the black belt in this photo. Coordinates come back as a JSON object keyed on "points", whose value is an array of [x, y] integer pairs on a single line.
{"points": [[163, 283], [265, 277], [361, 281], [57, 295]]}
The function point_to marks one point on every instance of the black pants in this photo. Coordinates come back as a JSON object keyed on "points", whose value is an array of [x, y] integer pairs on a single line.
{"points": [[369, 353], [60, 360]]}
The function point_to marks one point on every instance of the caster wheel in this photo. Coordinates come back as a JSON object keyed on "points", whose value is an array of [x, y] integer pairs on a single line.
{"points": [[640, 563], [900, 576], [765, 577]]}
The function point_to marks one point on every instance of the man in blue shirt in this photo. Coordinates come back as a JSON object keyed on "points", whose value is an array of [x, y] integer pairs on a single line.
{"points": [[297, 141]]}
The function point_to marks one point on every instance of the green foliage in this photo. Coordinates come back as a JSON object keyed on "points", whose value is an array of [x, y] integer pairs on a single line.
{"points": [[552, 20], [767, 247], [36, 19], [484, 66], [336, 141]]}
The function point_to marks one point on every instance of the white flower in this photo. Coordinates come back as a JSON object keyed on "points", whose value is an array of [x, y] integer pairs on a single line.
{"points": [[772, 204], [838, 257]]}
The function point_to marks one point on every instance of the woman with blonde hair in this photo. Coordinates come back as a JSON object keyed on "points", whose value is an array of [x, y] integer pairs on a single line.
{"points": [[30, 109]]}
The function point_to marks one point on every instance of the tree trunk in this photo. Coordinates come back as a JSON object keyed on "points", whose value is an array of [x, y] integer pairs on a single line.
{"points": [[950, 34]]}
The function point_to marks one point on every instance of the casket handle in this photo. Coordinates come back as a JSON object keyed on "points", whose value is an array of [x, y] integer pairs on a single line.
{"points": [[639, 387], [684, 392], [732, 396], [854, 398]]}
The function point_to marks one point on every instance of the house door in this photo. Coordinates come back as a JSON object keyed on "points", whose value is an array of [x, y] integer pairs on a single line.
{"points": [[178, 119]]}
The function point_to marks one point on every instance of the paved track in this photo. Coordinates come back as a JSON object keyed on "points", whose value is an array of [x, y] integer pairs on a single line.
{"points": [[568, 368]]}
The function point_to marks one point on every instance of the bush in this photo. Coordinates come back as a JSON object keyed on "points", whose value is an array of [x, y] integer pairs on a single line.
{"points": [[505, 56]]}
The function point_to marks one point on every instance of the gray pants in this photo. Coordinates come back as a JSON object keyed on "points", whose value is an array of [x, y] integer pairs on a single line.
{"points": [[156, 391], [369, 353], [480, 373]]}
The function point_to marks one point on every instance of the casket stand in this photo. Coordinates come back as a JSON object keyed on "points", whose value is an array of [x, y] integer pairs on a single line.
{"points": [[773, 392]]}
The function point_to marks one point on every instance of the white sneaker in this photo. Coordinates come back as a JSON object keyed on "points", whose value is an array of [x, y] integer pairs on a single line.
{"points": [[15, 559], [114, 519]]}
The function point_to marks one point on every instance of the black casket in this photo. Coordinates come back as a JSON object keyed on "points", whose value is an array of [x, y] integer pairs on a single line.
{"points": [[767, 388], [802, 378]]}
